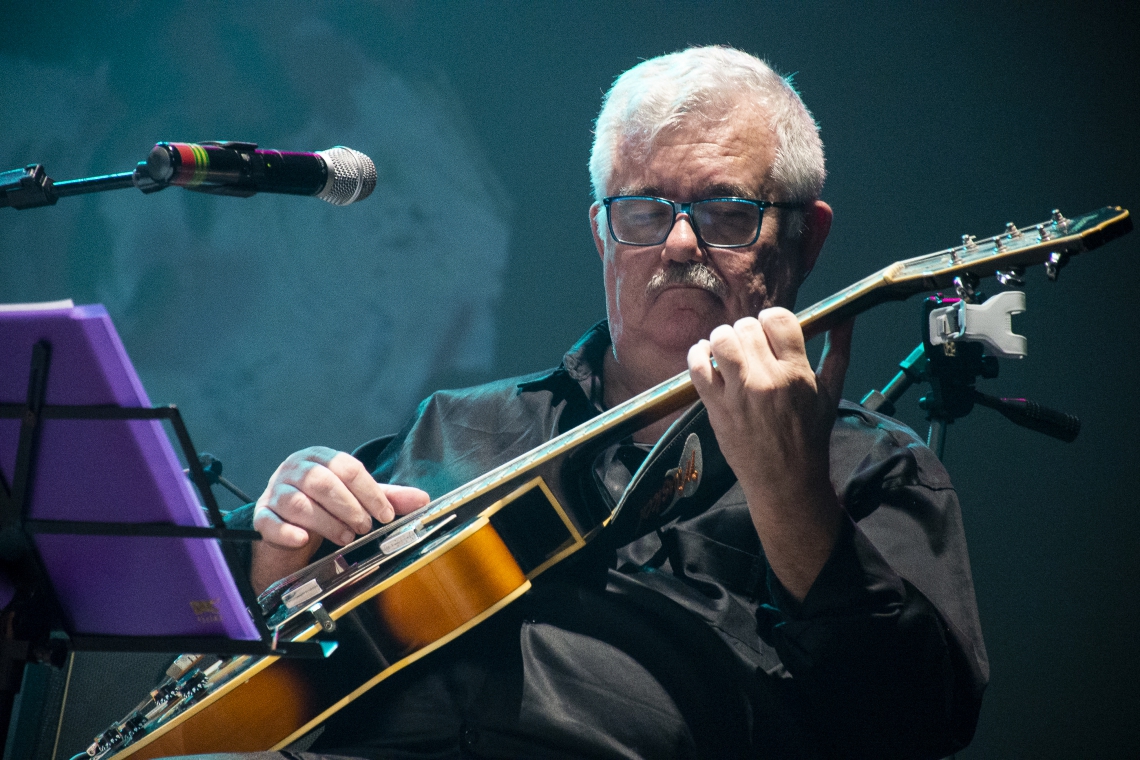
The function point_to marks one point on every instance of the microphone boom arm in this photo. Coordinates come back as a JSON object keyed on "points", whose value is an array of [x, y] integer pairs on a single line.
{"points": [[338, 175], [30, 187]]}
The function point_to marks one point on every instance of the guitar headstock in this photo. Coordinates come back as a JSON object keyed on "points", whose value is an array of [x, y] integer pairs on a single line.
{"points": [[1006, 255]]}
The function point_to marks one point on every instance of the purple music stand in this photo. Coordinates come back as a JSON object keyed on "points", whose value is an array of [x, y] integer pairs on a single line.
{"points": [[117, 533]]}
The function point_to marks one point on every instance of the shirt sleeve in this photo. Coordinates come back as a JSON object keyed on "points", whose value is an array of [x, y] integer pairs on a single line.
{"points": [[242, 519], [885, 650]]}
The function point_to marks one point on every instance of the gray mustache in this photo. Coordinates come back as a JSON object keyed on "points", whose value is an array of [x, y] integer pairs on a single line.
{"points": [[693, 274]]}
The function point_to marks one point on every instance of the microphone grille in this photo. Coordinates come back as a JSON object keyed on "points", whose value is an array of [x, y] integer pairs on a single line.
{"points": [[352, 176]]}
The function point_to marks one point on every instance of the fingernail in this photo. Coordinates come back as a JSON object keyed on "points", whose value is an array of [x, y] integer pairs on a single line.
{"points": [[347, 537], [388, 515]]}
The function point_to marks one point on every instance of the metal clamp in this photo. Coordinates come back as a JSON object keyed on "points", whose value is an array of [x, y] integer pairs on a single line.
{"points": [[322, 617], [986, 323]]}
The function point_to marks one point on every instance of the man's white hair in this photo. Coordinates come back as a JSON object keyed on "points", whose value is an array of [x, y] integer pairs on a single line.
{"points": [[707, 83]]}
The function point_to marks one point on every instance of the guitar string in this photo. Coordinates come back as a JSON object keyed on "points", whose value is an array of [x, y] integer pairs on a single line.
{"points": [[957, 257]]}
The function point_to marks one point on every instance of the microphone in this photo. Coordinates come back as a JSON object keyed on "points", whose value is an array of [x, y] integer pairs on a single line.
{"points": [[338, 175]]}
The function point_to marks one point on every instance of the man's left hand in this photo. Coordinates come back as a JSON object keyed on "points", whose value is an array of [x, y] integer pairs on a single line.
{"points": [[772, 416]]}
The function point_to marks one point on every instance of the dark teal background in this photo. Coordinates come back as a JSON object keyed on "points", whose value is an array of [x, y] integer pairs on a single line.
{"points": [[938, 119]]}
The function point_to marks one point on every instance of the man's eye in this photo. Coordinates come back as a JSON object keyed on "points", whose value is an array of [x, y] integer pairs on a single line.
{"points": [[645, 216], [731, 215]]}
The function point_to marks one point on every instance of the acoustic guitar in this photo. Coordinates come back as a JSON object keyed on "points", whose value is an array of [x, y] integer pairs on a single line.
{"points": [[422, 580]]}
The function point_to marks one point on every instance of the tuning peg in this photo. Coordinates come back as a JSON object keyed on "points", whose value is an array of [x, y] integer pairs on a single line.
{"points": [[1012, 231], [966, 285], [1059, 221], [1043, 233], [1057, 261], [1012, 278], [968, 242]]}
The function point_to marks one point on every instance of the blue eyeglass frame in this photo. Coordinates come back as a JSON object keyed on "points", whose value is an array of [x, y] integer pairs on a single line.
{"points": [[685, 208]]}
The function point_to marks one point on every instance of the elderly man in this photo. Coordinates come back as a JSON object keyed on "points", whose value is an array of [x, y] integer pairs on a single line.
{"points": [[821, 608]]}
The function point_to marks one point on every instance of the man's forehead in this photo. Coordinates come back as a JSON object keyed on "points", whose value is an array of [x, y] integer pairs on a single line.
{"points": [[669, 171], [728, 156]]}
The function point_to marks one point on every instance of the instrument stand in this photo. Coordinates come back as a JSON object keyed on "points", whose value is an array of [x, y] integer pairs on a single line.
{"points": [[33, 626], [951, 358]]}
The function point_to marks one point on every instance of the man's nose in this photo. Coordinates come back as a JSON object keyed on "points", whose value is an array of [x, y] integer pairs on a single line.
{"points": [[682, 244]]}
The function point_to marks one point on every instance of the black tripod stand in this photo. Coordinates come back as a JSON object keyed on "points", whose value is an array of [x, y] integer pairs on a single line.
{"points": [[951, 358]]}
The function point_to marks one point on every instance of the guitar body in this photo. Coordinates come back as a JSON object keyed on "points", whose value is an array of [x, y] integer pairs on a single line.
{"points": [[260, 703]]}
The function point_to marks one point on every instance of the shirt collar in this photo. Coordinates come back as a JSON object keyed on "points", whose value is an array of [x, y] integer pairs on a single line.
{"points": [[585, 358], [582, 364]]}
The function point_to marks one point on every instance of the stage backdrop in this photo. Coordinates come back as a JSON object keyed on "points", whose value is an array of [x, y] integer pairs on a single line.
{"points": [[276, 322]]}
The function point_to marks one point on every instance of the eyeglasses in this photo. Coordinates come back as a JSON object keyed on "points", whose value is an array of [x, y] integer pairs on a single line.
{"points": [[717, 222]]}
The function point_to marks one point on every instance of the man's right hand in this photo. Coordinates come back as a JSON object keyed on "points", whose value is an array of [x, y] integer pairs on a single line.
{"points": [[319, 493]]}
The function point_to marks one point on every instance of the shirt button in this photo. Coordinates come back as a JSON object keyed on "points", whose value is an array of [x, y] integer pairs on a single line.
{"points": [[470, 738]]}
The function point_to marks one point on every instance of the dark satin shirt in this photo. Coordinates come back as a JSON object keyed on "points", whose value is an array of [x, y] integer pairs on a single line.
{"points": [[685, 644]]}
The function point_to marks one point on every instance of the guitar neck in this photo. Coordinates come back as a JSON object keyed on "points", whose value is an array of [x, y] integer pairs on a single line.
{"points": [[1050, 242]]}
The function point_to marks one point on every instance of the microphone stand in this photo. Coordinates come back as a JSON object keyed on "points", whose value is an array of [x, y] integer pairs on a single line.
{"points": [[30, 187], [231, 168], [952, 368]]}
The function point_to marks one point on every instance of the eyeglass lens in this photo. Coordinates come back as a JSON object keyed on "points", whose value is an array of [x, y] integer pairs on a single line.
{"points": [[719, 222]]}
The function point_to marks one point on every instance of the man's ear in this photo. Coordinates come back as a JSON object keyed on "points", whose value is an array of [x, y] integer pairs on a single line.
{"points": [[599, 243], [817, 223]]}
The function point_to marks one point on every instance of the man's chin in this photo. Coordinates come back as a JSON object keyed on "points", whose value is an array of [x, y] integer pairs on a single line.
{"points": [[688, 310], [683, 328]]}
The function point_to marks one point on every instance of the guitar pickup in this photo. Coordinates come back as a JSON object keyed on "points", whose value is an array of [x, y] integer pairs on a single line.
{"points": [[295, 597]]}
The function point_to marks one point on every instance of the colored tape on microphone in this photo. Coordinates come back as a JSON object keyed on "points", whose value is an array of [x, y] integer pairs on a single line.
{"points": [[195, 163]]}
